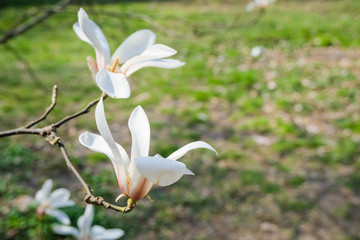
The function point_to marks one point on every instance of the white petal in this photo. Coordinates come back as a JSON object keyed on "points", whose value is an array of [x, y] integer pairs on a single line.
{"points": [[59, 215], [96, 37], [140, 132], [114, 85], [85, 221], [154, 52], [44, 192], [100, 233], [65, 230], [106, 134], [134, 45], [139, 185], [97, 143], [160, 63], [194, 145], [161, 171], [79, 32], [257, 51], [60, 198]]}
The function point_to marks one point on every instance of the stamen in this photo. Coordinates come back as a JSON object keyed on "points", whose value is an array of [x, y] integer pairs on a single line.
{"points": [[150, 199], [113, 67], [120, 196]]}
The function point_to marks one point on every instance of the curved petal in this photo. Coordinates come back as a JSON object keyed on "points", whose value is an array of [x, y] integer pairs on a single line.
{"points": [[134, 45], [140, 132], [44, 192], [114, 85], [100, 233], [182, 151], [139, 186], [59, 215], [97, 143], [79, 32], [154, 52], [60, 198], [97, 38], [104, 130], [159, 63], [85, 221], [65, 230], [161, 171]]}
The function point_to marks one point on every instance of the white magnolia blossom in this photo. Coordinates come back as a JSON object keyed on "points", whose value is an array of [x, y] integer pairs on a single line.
{"points": [[260, 4], [137, 51], [257, 51], [139, 174], [85, 231], [49, 202]]}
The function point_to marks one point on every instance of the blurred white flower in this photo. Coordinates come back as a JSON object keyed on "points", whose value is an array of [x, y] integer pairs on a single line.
{"points": [[257, 51], [85, 231], [138, 175], [260, 4], [49, 202], [137, 51]]}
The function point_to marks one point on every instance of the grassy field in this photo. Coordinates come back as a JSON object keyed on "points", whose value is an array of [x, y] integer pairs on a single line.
{"points": [[286, 125]]}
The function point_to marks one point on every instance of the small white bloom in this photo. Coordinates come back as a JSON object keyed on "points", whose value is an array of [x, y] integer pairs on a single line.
{"points": [[257, 51], [49, 202], [260, 4], [137, 51], [85, 231], [139, 174]]}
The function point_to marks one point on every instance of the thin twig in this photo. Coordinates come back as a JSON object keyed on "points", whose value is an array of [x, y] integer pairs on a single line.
{"points": [[48, 110], [23, 130], [52, 127], [72, 168], [75, 115], [90, 198], [100, 201], [49, 132], [34, 21]]}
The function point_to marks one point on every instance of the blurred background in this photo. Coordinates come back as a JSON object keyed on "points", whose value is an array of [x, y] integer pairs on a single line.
{"points": [[285, 117]]}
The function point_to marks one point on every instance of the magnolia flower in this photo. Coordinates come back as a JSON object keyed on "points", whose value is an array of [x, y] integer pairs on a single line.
{"points": [[257, 51], [139, 174], [137, 51], [50, 202], [85, 231], [260, 4]]}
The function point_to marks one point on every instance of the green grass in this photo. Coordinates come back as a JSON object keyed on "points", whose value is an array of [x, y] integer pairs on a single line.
{"points": [[286, 125]]}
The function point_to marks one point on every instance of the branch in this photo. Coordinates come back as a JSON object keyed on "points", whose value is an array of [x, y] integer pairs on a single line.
{"points": [[71, 167], [44, 131], [75, 115], [23, 130], [90, 198], [48, 110], [100, 201], [34, 21], [49, 133]]}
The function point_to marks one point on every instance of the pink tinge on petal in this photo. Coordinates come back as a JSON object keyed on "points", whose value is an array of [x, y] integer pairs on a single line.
{"points": [[139, 186]]}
